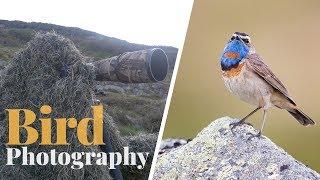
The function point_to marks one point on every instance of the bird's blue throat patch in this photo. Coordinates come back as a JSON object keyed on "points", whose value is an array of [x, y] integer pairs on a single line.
{"points": [[234, 52]]}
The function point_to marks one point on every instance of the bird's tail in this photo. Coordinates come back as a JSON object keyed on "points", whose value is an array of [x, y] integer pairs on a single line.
{"points": [[301, 117]]}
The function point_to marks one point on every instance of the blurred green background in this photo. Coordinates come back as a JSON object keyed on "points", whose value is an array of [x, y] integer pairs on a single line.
{"points": [[286, 34]]}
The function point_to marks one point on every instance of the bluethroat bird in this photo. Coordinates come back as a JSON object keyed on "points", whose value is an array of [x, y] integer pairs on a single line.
{"points": [[246, 76]]}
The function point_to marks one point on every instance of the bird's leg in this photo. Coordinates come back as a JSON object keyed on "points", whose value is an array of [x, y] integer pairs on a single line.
{"points": [[263, 122], [243, 119]]}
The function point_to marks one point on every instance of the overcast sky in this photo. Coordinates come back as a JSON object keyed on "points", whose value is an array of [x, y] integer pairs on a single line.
{"points": [[152, 22]]}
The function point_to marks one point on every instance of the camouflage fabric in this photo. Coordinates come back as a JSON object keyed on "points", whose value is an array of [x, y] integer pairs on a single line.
{"points": [[129, 67]]}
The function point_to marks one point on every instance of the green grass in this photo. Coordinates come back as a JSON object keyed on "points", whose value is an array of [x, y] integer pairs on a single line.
{"points": [[7, 52], [95, 54], [13, 39], [139, 113], [128, 130]]}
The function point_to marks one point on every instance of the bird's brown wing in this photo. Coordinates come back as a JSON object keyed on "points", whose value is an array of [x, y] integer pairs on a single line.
{"points": [[254, 62]]}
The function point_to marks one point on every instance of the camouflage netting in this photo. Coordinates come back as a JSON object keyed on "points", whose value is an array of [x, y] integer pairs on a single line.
{"points": [[145, 142], [51, 71]]}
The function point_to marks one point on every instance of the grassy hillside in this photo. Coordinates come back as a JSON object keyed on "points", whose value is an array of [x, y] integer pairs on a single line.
{"points": [[135, 107], [15, 34]]}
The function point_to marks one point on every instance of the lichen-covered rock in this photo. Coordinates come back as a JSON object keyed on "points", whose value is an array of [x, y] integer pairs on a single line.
{"points": [[217, 153], [169, 144]]}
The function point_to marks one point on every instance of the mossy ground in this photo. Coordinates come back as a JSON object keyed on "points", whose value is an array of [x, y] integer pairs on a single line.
{"points": [[133, 113]]}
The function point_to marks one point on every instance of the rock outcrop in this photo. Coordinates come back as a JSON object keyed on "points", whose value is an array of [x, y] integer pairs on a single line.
{"points": [[217, 153]]}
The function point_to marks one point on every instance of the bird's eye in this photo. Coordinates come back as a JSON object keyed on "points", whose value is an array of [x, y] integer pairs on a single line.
{"points": [[232, 38], [245, 40]]}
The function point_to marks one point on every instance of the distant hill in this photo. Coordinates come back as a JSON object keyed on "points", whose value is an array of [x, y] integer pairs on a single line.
{"points": [[15, 34]]}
